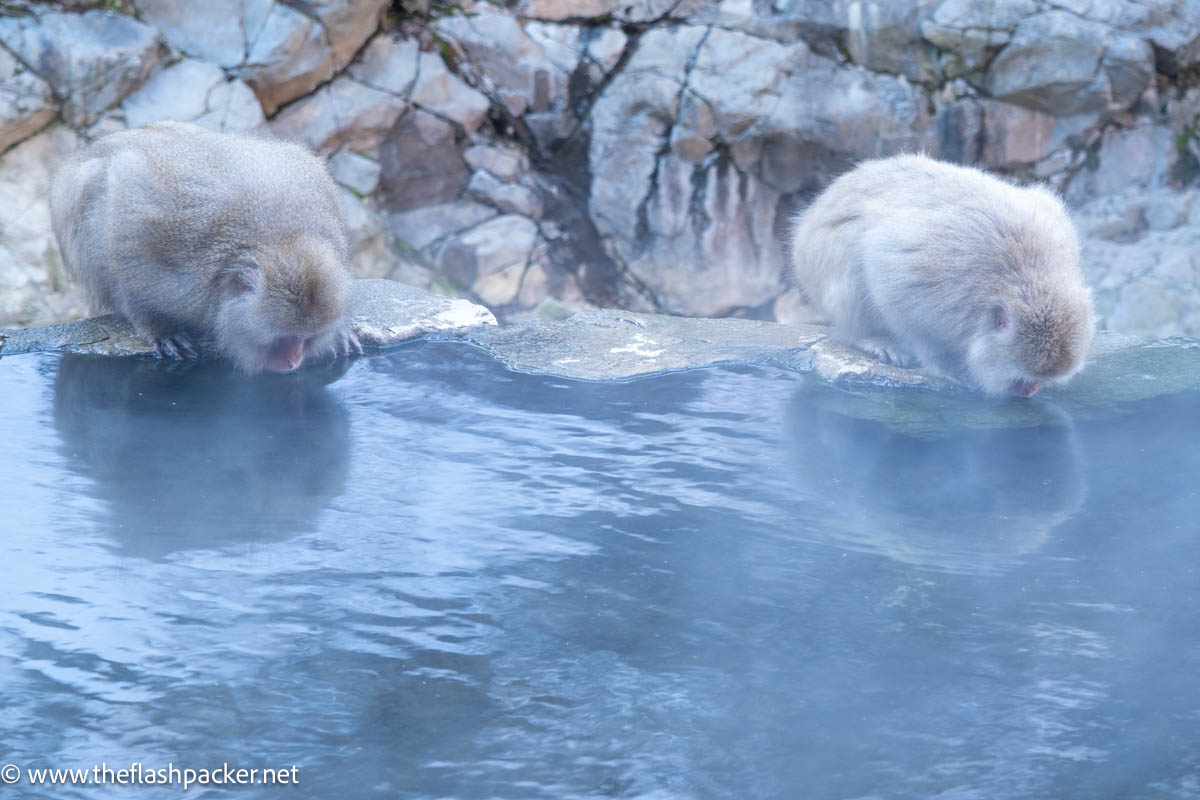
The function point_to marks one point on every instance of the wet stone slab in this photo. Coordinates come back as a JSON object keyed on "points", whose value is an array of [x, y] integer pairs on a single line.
{"points": [[618, 345], [382, 312]]}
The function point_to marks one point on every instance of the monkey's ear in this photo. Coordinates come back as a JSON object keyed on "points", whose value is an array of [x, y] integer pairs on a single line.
{"points": [[240, 279], [1000, 319]]}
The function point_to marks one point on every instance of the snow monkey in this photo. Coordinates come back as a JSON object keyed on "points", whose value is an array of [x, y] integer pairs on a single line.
{"points": [[205, 240], [921, 262]]}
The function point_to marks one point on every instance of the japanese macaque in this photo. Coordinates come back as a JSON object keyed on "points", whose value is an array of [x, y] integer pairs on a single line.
{"points": [[207, 241], [920, 262]]}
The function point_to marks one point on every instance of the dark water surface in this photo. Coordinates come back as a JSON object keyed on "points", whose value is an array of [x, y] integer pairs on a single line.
{"points": [[432, 577]]}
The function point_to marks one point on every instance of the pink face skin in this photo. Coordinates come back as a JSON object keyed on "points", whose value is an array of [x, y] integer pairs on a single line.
{"points": [[286, 354], [1026, 388], [998, 361]]}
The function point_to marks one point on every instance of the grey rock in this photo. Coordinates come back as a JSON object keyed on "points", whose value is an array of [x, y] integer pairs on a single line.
{"points": [[512, 68], [491, 258], [503, 162], [356, 172], [275, 48], [630, 121], [348, 23], [971, 32], [107, 335], [417, 273], [386, 313], [424, 226], [26, 103], [1140, 255], [216, 31], [885, 36], [623, 10], [605, 46], [1138, 157], [233, 106], [998, 134], [91, 60], [382, 313], [698, 228], [194, 91], [712, 247], [1172, 25], [564, 46], [615, 345], [537, 284], [33, 286], [441, 91], [1062, 64], [371, 254], [388, 64], [782, 108], [286, 58], [421, 162], [343, 113], [619, 345], [510, 198], [281, 51]]}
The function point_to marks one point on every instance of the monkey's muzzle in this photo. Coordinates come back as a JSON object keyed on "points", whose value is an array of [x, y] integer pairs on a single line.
{"points": [[286, 353]]}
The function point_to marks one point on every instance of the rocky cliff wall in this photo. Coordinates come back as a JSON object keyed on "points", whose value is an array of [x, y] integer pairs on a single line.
{"points": [[645, 154]]}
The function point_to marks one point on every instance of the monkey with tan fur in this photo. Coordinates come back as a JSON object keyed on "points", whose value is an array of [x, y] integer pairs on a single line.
{"points": [[234, 243]]}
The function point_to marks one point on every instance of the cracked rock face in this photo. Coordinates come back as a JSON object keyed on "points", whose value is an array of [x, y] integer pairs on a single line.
{"points": [[712, 129], [282, 51], [1064, 65], [26, 102], [194, 91], [91, 60]]}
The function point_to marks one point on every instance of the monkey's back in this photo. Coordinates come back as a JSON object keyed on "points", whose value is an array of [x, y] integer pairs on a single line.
{"points": [[147, 217], [911, 248]]}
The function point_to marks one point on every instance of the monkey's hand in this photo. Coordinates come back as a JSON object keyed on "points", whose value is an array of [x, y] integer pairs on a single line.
{"points": [[337, 342], [345, 342], [889, 353], [178, 345]]}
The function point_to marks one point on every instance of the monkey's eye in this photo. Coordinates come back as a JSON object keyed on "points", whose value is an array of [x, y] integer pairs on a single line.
{"points": [[1000, 318], [241, 279]]}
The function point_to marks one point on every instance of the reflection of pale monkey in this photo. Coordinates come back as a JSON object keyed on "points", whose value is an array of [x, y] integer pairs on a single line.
{"points": [[918, 261], [966, 501], [236, 242]]}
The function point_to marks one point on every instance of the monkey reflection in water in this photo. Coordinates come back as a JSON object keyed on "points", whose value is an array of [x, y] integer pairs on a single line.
{"points": [[967, 501], [192, 454]]}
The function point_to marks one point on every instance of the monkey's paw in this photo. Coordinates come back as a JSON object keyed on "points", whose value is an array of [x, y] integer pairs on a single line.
{"points": [[346, 343], [889, 353], [180, 346]]}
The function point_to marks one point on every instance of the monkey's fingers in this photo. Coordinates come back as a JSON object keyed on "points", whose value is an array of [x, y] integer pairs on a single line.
{"points": [[346, 343], [177, 346], [888, 353]]}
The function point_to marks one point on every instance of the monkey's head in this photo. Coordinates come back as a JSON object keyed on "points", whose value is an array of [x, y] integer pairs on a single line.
{"points": [[1033, 321], [1036, 337], [281, 303]]}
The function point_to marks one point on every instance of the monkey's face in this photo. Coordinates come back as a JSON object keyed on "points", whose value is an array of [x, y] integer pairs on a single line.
{"points": [[280, 308], [1032, 341]]}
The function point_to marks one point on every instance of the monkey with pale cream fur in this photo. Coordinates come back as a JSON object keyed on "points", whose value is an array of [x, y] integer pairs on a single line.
{"points": [[208, 240], [973, 278]]}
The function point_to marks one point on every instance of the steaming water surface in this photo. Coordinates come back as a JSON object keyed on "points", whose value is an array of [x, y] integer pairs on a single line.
{"points": [[432, 577]]}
